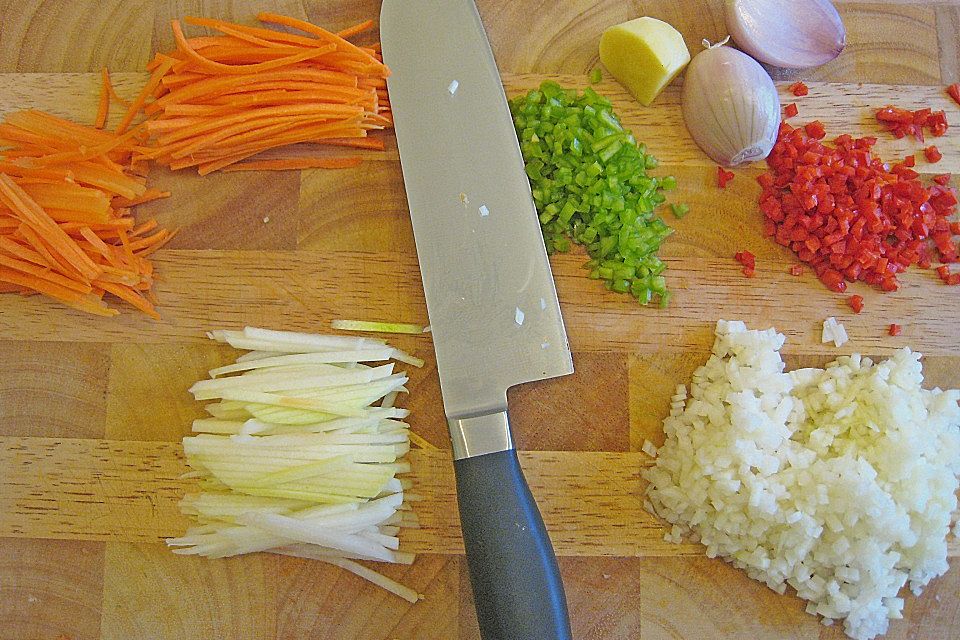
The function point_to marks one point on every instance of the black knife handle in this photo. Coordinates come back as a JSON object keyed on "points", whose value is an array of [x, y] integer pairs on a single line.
{"points": [[513, 570]]}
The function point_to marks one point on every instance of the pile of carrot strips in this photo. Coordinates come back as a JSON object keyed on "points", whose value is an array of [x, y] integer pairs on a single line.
{"points": [[216, 101], [66, 230], [66, 190]]}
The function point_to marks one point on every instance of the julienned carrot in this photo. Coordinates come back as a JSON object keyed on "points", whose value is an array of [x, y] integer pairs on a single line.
{"points": [[287, 164], [148, 88], [103, 108], [223, 98], [208, 65], [65, 213], [349, 32]]}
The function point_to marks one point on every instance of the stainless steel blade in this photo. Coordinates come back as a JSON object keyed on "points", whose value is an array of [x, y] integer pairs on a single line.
{"points": [[490, 294]]}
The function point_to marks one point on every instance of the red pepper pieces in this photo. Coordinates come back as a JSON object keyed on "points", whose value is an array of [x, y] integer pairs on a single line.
{"points": [[954, 92], [903, 122], [856, 303], [796, 270], [815, 130], [723, 177], [790, 110], [943, 179], [951, 279], [895, 330], [910, 161], [799, 89], [932, 153], [749, 262], [851, 217]]}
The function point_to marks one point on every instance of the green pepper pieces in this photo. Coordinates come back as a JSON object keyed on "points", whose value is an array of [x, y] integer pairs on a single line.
{"points": [[590, 184]]}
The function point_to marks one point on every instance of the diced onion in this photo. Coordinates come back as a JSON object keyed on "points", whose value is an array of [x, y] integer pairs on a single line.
{"points": [[837, 482]]}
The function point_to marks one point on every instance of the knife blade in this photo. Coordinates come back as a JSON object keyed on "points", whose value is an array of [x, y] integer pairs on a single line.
{"points": [[491, 299]]}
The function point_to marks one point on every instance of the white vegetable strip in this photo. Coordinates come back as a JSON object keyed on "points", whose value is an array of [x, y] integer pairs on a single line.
{"points": [[377, 327], [251, 356], [208, 389], [295, 459], [367, 355], [378, 579]]}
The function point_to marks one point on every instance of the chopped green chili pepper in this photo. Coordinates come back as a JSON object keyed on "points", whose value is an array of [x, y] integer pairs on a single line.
{"points": [[680, 210], [590, 184]]}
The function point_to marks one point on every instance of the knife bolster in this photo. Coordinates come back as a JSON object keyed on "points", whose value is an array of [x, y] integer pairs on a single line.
{"points": [[480, 435]]}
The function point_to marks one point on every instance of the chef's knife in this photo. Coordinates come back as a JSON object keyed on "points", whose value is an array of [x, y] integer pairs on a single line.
{"points": [[490, 296]]}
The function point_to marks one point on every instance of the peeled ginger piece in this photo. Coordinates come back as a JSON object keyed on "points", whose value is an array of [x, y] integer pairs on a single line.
{"points": [[644, 55]]}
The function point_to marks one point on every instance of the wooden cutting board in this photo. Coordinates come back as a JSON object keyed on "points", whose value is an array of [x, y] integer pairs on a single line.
{"points": [[91, 411]]}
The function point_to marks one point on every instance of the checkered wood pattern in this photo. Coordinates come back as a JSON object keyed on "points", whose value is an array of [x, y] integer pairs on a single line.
{"points": [[97, 407]]}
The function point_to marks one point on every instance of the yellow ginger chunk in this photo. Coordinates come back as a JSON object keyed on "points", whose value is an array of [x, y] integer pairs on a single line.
{"points": [[644, 55]]}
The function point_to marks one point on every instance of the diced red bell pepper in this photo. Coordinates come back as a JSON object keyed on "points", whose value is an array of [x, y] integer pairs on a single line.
{"points": [[746, 258], [849, 215], [894, 329], [815, 130], [790, 110], [799, 89], [932, 153], [856, 303], [723, 177], [954, 92]]}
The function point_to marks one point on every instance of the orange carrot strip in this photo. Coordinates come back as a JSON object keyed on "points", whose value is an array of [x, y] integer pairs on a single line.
{"points": [[287, 164], [107, 230], [66, 195], [240, 35], [306, 27], [143, 253], [101, 177], [39, 285], [25, 208], [128, 295], [44, 249], [147, 196], [104, 107], [116, 97], [203, 42], [282, 133], [17, 250], [43, 274], [146, 227], [99, 246], [355, 29], [73, 215], [249, 54], [165, 65], [358, 143], [263, 116], [37, 245], [57, 130], [211, 84], [143, 243], [12, 288], [184, 47], [265, 34], [125, 244], [167, 124]]}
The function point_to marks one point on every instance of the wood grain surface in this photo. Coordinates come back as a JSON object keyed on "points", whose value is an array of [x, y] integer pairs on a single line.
{"points": [[91, 411]]}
